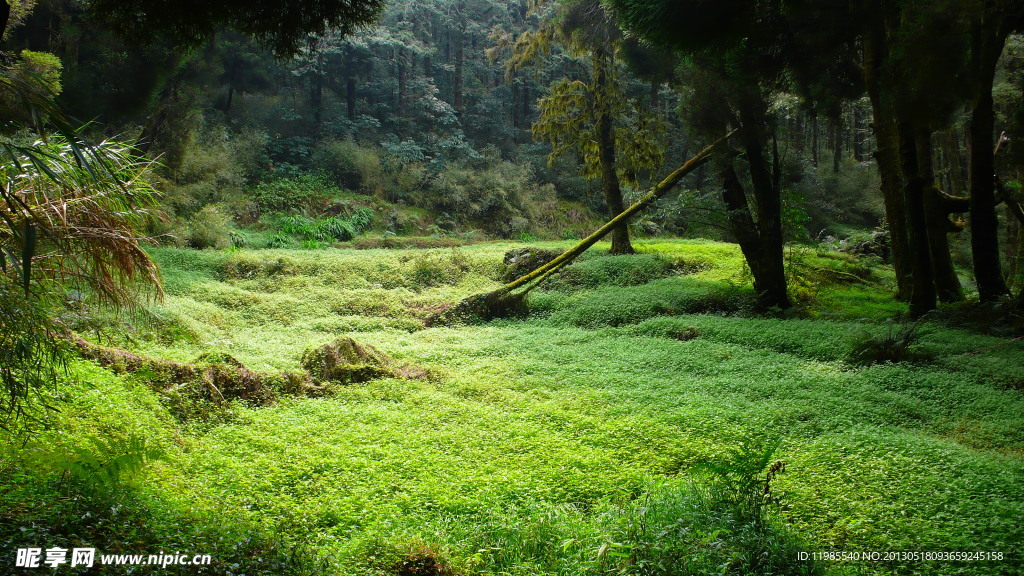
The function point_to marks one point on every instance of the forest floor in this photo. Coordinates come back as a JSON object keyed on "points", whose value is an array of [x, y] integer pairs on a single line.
{"points": [[626, 426]]}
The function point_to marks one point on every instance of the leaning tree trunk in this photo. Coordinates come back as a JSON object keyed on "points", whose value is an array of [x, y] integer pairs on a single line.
{"points": [[984, 223], [606, 151], [503, 301]]}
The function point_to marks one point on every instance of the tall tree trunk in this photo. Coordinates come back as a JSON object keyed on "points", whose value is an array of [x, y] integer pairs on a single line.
{"points": [[350, 97], [460, 57], [526, 103], [814, 139], [5, 17], [764, 176], [858, 154], [403, 83], [887, 157], [947, 284], [986, 47], [606, 152], [515, 105], [837, 149], [923, 296]]}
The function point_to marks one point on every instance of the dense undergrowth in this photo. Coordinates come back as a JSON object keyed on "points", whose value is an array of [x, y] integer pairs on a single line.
{"points": [[627, 426]]}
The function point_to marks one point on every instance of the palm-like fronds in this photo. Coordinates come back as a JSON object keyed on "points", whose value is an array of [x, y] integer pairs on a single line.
{"points": [[69, 210], [83, 204]]}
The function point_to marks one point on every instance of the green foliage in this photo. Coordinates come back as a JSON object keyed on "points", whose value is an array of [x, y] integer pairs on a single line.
{"points": [[897, 344], [209, 228], [336, 228], [352, 166], [622, 270], [42, 65], [500, 197], [31, 355], [102, 464], [541, 447], [302, 193], [282, 28]]}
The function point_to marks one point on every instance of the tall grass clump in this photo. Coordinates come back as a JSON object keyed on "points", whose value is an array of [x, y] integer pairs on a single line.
{"points": [[899, 343]]}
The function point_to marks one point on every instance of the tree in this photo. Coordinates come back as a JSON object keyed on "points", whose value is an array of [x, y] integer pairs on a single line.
{"points": [[580, 114], [990, 24], [281, 26], [732, 47]]}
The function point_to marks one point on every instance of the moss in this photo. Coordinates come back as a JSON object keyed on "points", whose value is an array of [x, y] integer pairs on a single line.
{"points": [[521, 261], [346, 361]]}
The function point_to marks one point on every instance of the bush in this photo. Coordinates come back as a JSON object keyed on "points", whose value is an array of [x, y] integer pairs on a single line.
{"points": [[337, 228], [500, 198], [286, 194], [721, 526], [352, 166], [619, 270], [210, 228]]}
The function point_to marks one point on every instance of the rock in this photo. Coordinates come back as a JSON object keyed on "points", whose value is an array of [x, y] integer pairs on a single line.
{"points": [[347, 361]]}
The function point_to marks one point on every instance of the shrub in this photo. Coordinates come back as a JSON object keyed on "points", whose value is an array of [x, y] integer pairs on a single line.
{"points": [[351, 165], [500, 198], [210, 228], [285, 194], [893, 345], [619, 270], [337, 228], [720, 526]]}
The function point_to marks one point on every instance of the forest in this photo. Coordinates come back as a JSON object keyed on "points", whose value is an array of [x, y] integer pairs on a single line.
{"points": [[525, 288]]}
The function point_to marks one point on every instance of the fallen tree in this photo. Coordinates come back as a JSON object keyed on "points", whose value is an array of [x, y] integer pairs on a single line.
{"points": [[510, 299]]}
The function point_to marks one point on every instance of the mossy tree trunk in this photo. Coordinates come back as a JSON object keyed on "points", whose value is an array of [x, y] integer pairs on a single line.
{"points": [[986, 46], [887, 157], [763, 239], [494, 304], [610, 184], [947, 284]]}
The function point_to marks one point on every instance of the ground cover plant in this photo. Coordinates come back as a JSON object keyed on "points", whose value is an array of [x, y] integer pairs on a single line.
{"points": [[628, 425]]}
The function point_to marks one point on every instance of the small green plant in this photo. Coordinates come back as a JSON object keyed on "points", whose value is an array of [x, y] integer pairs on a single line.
{"points": [[101, 464], [896, 344]]}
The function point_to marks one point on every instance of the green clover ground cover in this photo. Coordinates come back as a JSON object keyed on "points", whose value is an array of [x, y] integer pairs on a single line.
{"points": [[576, 441]]}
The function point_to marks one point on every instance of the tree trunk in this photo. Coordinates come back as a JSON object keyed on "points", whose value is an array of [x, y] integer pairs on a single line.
{"points": [[837, 149], [460, 57], [887, 157], [923, 296], [814, 139], [350, 97], [5, 17], [606, 152], [855, 134], [985, 50], [770, 266], [947, 284]]}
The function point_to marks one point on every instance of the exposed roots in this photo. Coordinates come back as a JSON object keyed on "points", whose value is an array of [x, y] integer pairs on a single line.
{"points": [[219, 377], [481, 308]]}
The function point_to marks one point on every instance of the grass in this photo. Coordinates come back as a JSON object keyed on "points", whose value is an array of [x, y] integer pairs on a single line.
{"points": [[577, 441]]}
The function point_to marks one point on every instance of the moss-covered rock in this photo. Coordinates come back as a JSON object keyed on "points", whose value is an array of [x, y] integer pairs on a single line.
{"points": [[347, 361]]}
